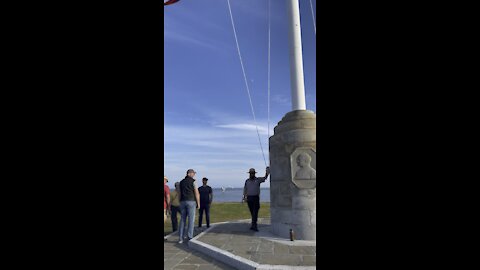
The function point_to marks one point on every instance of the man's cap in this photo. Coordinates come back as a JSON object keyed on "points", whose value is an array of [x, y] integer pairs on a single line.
{"points": [[252, 170], [191, 171], [204, 178], [165, 178]]}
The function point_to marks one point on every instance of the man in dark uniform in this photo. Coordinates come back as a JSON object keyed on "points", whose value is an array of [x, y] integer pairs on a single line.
{"points": [[206, 197], [251, 193]]}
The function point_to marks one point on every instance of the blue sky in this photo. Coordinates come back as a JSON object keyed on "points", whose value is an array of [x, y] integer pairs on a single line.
{"points": [[208, 123]]}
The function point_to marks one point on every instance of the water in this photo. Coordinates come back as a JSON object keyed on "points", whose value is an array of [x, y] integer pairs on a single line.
{"points": [[236, 195]]}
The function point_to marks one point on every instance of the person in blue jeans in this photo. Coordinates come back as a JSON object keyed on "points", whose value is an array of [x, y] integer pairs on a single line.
{"points": [[189, 201], [206, 197]]}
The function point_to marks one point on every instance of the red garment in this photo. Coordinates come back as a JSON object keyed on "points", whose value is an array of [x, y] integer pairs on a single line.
{"points": [[166, 191], [169, 2]]}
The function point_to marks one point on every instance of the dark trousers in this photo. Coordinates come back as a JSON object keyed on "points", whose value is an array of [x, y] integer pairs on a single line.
{"points": [[175, 211], [254, 206], [206, 208]]}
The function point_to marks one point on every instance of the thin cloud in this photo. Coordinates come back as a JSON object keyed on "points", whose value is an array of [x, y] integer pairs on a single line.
{"points": [[184, 39], [190, 16], [244, 127], [213, 152], [281, 100], [185, 26], [257, 9]]}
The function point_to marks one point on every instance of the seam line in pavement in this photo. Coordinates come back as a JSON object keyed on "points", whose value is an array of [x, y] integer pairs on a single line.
{"points": [[230, 258]]}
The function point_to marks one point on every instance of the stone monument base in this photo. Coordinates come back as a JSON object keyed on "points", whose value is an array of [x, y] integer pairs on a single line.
{"points": [[293, 179]]}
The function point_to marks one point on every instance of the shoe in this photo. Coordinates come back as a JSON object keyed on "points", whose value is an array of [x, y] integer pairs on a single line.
{"points": [[180, 242], [255, 229], [208, 226]]}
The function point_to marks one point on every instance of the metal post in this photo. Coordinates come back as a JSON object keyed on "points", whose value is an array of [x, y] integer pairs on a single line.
{"points": [[296, 60]]}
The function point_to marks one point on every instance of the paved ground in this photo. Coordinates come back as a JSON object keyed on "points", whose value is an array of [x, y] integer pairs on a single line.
{"points": [[180, 256], [236, 237], [260, 247]]}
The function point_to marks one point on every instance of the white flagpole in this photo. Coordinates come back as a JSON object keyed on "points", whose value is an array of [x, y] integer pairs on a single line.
{"points": [[296, 60]]}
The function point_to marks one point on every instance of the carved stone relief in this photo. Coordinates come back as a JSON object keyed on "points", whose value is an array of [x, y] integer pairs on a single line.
{"points": [[304, 167]]}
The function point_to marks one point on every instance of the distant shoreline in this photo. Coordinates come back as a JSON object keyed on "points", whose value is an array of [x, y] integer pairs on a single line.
{"points": [[237, 187], [237, 203], [236, 194]]}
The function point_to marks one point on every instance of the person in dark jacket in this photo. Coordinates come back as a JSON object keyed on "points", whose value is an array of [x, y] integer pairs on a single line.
{"points": [[206, 197], [189, 201]]}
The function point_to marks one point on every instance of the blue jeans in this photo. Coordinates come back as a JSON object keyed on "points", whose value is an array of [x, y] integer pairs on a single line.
{"points": [[187, 208]]}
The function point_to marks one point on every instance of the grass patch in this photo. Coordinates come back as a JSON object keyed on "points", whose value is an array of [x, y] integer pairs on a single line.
{"points": [[220, 212]]}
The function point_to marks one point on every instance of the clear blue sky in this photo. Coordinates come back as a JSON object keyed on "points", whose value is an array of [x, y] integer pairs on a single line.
{"points": [[208, 120]]}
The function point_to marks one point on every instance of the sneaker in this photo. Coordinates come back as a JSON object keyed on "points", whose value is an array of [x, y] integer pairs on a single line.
{"points": [[180, 242]]}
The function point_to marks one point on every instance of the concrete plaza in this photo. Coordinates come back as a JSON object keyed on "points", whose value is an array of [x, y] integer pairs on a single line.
{"points": [[232, 245]]}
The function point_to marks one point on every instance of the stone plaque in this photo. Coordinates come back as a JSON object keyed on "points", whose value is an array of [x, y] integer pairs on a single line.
{"points": [[304, 167]]}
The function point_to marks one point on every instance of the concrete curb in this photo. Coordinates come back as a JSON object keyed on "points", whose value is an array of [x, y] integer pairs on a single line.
{"points": [[284, 267], [234, 260], [223, 256], [211, 226]]}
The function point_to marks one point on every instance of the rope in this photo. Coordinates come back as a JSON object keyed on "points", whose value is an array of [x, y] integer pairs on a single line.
{"points": [[268, 102], [313, 16], [246, 81]]}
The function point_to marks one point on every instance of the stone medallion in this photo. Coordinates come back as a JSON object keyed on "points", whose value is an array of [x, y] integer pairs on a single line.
{"points": [[304, 167]]}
